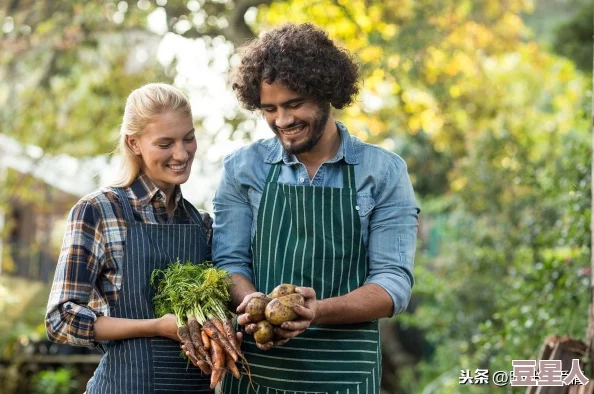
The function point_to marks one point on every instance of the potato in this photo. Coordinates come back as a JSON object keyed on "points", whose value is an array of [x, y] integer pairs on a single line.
{"points": [[264, 332], [280, 309], [282, 290], [255, 308]]}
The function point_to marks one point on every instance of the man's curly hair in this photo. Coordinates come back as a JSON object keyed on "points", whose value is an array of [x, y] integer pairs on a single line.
{"points": [[303, 59]]}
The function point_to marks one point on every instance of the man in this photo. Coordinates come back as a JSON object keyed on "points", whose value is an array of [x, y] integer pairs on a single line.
{"points": [[317, 208]]}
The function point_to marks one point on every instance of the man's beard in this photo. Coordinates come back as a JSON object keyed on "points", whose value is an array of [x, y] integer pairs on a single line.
{"points": [[317, 128]]}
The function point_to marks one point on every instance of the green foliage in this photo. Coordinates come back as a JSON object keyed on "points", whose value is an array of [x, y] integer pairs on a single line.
{"points": [[22, 305], [60, 381], [510, 274], [186, 288], [495, 130], [573, 39], [467, 98]]}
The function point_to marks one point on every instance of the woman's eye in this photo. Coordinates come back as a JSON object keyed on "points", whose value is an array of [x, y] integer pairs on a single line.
{"points": [[164, 146]]}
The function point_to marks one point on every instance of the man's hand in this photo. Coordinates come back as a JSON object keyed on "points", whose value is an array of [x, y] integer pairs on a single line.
{"points": [[243, 319], [307, 315], [166, 326]]}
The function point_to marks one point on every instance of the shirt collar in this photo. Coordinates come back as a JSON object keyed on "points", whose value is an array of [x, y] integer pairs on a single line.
{"points": [[145, 191], [346, 150]]}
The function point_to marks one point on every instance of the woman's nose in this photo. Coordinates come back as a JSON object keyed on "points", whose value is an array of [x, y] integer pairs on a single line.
{"points": [[180, 153]]}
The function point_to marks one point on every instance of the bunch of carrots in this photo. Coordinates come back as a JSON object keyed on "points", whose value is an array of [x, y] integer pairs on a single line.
{"points": [[197, 295]]}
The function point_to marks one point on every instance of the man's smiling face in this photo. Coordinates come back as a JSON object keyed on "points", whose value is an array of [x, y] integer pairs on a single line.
{"points": [[298, 122]]}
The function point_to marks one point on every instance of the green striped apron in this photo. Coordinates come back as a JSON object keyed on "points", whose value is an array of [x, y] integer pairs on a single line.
{"points": [[311, 236]]}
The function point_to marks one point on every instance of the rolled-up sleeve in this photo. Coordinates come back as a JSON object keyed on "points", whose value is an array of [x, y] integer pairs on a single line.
{"points": [[231, 246], [69, 319], [392, 236]]}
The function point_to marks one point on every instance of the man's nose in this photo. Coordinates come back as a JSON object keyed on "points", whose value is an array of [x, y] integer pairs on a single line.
{"points": [[284, 119]]}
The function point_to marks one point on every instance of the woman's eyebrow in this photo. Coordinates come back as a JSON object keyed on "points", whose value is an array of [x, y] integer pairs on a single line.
{"points": [[171, 139]]}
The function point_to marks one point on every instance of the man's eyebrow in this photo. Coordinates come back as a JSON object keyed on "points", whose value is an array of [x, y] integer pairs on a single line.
{"points": [[286, 103]]}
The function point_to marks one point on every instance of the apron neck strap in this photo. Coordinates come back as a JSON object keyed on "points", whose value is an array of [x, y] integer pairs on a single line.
{"points": [[194, 214], [274, 173], [348, 175], [128, 214]]}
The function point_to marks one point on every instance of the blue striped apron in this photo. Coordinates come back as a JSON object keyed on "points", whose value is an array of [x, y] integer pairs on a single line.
{"points": [[311, 236], [150, 365]]}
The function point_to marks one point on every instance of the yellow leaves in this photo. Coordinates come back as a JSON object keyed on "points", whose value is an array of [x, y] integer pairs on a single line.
{"points": [[375, 126], [388, 31], [471, 36], [455, 91], [459, 183], [423, 111], [393, 61], [427, 120], [436, 58], [371, 54], [509, 26], [416, 99]]}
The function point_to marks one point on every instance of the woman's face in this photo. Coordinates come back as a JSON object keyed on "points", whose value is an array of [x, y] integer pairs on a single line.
{"points": [[167, 149]]}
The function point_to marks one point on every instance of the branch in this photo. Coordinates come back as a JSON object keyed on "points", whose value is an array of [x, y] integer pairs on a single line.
{"points": [[238, 32], [238, 29]]}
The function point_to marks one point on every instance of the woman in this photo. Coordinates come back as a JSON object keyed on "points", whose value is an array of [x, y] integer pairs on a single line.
{"points": [[116, 237]]}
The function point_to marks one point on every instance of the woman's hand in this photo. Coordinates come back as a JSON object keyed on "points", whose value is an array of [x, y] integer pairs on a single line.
{"points": [[166, 326]]}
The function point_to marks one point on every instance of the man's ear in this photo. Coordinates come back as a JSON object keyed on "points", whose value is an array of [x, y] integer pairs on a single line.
{"points": [[133, 144]]}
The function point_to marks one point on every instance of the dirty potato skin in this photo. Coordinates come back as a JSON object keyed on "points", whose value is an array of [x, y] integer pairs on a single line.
{"points": [[264, 332], [280, 310], [282, 290], [255, 308]]}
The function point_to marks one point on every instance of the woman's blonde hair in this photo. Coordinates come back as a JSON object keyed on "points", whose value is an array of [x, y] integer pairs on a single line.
{"points": [[142, 107]]}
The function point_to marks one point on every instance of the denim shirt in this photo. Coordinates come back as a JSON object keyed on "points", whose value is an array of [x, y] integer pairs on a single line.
{"points": [[385, 202]]}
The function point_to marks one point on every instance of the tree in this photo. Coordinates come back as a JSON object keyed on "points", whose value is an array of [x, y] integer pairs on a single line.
{"points": [[573, 39], [506, 124]]}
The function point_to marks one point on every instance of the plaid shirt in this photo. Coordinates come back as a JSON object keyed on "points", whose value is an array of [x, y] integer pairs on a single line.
{"points": [[87, 280]]}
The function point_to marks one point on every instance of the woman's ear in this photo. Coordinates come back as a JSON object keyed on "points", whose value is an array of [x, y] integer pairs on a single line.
{"points": [[133, 144]]}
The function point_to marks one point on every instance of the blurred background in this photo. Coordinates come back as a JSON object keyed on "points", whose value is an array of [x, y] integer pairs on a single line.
{"points": [[488, 101]]}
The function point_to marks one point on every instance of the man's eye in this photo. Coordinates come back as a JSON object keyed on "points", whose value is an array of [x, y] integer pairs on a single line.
{"points": [[269, 110], [190, 138], [164, 146]]}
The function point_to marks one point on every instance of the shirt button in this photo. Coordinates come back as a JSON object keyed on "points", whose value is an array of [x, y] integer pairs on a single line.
{"points": [[357, 207], [301, 180]]}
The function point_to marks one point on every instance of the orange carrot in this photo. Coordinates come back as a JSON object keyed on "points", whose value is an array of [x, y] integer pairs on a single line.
{"points": [[232, 367], [218, 358], [197, 340], [216, 377], [231, 335], [204, 367], [205, 340], [184, 334], [217, 323], [213, 333]]}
